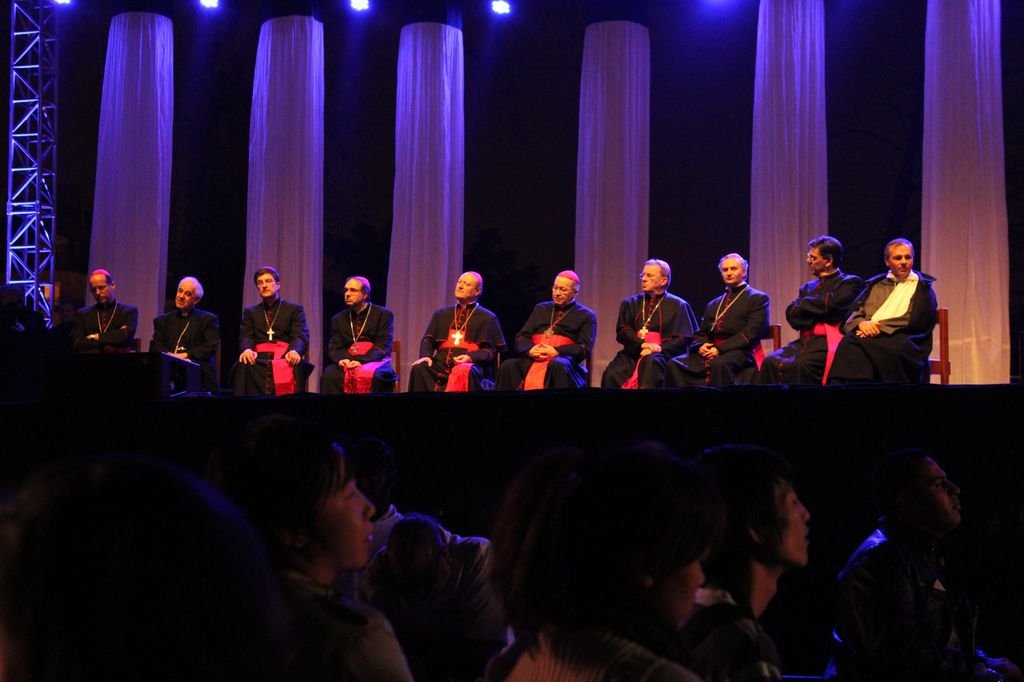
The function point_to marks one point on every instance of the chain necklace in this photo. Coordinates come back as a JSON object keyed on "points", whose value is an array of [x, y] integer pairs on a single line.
{"points": [[177, 344], [643, 311], [458, 334], [270, 320], [551, 326], [351, 327], [99, 324], [720, 313]]}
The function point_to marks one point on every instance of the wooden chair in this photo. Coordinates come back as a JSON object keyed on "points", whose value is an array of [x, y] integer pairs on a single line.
{"points": [[941, 365], [776, 330], [396, 363]]}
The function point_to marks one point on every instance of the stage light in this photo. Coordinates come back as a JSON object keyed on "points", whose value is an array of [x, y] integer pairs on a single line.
{"points": [[359, 5], [500, 7], [209, 4], [62, 2]]}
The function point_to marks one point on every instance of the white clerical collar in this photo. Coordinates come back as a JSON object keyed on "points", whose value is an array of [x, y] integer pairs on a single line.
{"points": [[912, 277]]}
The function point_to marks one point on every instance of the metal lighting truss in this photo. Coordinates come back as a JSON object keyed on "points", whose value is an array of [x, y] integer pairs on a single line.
{"points": [[32, 158]]}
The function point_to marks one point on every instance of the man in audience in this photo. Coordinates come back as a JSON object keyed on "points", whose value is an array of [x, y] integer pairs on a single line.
{"points": [[294, 483], [889, 333], [765, 536], [553, 343], [730, 332], [189, 333], [653, 327], [273, 337], [460, 345], [107, 327], [360, 348], [899, 616], [821, 306]]}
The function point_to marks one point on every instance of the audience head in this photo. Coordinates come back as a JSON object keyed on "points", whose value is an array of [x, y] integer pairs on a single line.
{"points": [[292, 479], [604, 541], [911, 487], [119, 569], [415, 558], [375, 471], [766, 524]]}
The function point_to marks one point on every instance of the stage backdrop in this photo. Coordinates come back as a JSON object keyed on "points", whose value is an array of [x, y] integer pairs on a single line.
{"points": [[133, 164], [286, 169], [963, 221]]}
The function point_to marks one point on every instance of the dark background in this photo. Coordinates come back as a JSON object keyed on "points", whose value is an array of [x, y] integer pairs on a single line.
{"points": [[521, 109]]}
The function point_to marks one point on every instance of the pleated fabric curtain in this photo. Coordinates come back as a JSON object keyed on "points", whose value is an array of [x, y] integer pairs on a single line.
{"points": [[789, 174], [964, 240], [285, 222], [612, 173], [133, 165], [427, 229]]}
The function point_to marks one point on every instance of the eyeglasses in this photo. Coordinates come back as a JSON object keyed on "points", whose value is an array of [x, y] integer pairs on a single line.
{"points": [[562, 290]]}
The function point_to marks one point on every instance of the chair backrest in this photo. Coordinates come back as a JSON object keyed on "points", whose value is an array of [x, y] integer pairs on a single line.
{"points": [[941, 365], [776, 331], [396, 362]]}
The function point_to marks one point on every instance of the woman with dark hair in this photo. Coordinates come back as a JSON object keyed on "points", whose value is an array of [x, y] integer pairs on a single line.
{"points": [[765, 536], [120, 569], [292, 479], [596, 559]]}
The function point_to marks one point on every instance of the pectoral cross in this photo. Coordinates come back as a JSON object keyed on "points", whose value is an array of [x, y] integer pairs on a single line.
{"points": [[642, 333], [547, 333], [270, 333], [457, 337]]}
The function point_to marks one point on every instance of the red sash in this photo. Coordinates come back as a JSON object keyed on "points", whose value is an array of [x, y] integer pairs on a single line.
{"points": [[633, 382], [360, 379], [283, 373], [458, 380], [539, 369], [832, 337]]}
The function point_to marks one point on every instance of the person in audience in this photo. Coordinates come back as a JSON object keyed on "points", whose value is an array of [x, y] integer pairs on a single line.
{"points": [[433, 586], [765, 536], [820, 307], [293, 481], [654, 326], [730, 332], [596, 560], [120, 569], [900, 616], [889, 333]]}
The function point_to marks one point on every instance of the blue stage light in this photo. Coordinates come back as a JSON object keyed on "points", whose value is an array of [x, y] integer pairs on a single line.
{"points": [[359, 5], [209, 4], [500, 7], [62, 2]]}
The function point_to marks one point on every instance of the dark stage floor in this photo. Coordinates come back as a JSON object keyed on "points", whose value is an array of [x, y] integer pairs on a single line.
{"points": [[457, 453]]}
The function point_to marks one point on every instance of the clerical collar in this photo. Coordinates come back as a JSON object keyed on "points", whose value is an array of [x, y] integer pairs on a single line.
{"points": [[655, 297], [270, 305], [184, 313], [739, 287], [106, 306], [831, 274], [465, 306], [568, 305]]}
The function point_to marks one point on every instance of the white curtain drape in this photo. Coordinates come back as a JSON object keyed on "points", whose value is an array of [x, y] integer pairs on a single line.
{"points": [[133, 162], [427, 231], [964, 240], [285, 217], [612, 173], [789, 174]]}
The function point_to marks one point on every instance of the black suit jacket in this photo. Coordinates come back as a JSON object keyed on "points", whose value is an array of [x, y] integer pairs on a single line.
{"points": [[119, 334]]}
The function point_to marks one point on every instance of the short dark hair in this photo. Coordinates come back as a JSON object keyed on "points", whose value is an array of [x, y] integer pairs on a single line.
{"points": [[894, 474], [828, 247], [901, 241], [412, 554], [577, 532], [266, 270], [747, 477], [170, 580], [280, 472]]}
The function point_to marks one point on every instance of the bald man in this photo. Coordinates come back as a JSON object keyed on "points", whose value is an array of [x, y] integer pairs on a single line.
{"points": [[107, 327], [553, 343], [460, 345], [189, 333]]}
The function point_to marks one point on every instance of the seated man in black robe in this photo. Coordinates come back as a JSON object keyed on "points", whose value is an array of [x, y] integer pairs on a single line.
{"points": [[273, 337], [553, 343], [889, 333], [730, 332], [107, 327], [360, 348], [460, 345], [821, 306], [653, 327], [189, 333], [899, 616]]}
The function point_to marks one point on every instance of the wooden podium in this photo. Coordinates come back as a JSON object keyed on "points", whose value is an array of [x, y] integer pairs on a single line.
{"points": [[118, 376]]}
